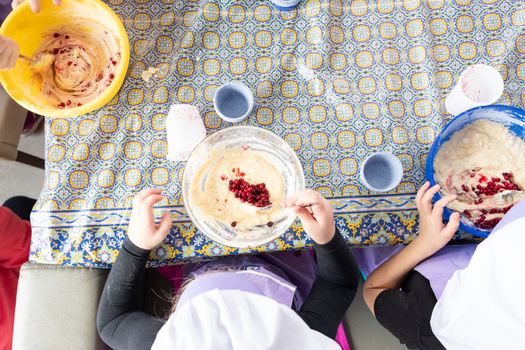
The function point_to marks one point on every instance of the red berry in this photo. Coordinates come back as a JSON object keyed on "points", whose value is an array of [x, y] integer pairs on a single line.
{"points": [[256, 195]]}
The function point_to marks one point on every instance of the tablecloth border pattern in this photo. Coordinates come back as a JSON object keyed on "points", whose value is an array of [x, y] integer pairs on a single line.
{"points": [[390, 219]]}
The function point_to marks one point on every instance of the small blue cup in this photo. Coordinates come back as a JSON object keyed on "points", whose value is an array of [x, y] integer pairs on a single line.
{"points": [[233, 102], [381, 172], [285, 5]]}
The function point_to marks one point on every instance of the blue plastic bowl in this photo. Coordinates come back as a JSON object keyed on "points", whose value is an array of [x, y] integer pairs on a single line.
{"points": [[513, 118]]}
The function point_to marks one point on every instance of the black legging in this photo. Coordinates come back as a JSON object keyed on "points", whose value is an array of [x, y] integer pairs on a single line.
{"points": [[21, 206]]}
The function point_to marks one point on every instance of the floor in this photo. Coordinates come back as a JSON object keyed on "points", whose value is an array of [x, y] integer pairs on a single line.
{"points": [[20, 179], [364, 330]]}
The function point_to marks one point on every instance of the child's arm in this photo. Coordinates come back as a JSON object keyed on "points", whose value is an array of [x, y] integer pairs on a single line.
{"points": [[433, 235], [9, 51], [121, 321], [338, 275], [33, 4]]}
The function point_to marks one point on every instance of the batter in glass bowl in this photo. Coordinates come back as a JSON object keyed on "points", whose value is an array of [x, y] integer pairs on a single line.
{"points": [[238, 187]]}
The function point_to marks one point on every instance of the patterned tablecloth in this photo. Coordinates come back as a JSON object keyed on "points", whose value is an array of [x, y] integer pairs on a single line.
{"points": [[336, 79]]}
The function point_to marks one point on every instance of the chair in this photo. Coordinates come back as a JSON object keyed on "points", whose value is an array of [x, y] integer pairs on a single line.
{"points": [[12, 118], [56, 306]]}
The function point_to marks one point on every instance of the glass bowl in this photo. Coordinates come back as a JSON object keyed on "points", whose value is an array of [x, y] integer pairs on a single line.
{"points": [[276, 151]]}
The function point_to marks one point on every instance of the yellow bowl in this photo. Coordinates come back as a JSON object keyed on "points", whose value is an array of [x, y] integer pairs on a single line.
{"points": [[27, 29]]}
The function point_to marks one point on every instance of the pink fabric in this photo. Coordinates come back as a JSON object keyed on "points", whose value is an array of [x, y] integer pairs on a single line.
{"points": [[174, 274], [341, 339]]}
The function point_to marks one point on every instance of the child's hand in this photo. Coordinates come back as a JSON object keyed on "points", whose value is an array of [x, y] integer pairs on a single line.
{"points": [[33, 4], [8, 52], [317, 219], [433, 234], [142, 230]]}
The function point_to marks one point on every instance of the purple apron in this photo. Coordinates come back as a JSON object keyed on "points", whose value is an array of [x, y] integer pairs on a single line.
{"points": [[440, 267], [5, 9], [286, 277]]}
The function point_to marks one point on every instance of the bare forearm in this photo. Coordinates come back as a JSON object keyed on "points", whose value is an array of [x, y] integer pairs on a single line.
{"points": [[390, 274]]}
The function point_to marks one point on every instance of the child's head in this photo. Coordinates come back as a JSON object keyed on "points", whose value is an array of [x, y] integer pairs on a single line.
{"points": [[226, 319]]}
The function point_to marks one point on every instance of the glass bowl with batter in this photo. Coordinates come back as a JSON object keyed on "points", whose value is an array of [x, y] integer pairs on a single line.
{"points": [[227, 165]]}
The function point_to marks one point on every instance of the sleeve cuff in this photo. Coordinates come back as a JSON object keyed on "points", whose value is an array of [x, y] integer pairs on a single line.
{"points": [[134, 250], [336, 242]]}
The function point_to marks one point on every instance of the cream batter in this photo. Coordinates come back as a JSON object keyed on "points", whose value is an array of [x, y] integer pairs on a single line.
{"points": [[484, 165], [210, 191], [76, 63]]}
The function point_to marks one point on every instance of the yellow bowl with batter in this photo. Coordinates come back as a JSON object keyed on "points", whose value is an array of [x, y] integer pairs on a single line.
{"points": [[28, 30]]}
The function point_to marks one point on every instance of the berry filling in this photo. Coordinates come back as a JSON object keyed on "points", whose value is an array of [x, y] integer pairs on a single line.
{"points": [[485, 188], [256, 195], [237, 172]]}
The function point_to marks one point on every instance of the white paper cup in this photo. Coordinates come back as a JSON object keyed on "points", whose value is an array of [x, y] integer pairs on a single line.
{"points": [[478, 85], [184, 131], [381, 172], [233, 102]]}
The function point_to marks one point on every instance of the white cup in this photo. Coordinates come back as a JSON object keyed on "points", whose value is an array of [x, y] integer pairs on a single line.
{"points": [[233, 102], [478, 85], [381, 172], [184, 131]]}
